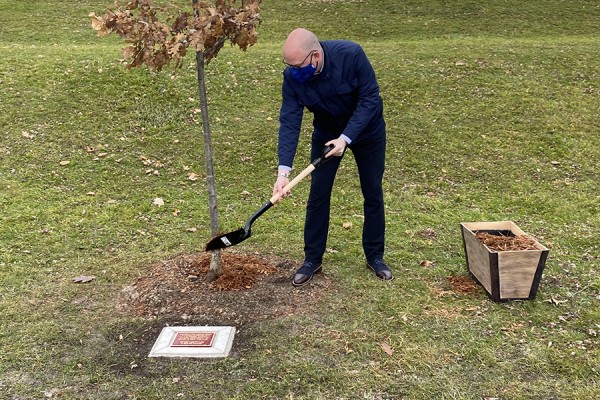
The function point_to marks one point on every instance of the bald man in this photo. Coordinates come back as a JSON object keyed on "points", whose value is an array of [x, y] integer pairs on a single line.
{"points": [[334, 81]]}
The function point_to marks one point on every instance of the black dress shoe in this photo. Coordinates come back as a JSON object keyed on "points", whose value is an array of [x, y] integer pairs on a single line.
{"points": [[305, 273], [380, 269]]}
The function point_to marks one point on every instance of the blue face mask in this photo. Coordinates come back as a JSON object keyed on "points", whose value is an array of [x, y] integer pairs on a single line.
{"points": [[303, 74]]}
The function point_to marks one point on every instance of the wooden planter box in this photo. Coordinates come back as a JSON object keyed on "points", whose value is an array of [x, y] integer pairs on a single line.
{"points": [[505, 275]]}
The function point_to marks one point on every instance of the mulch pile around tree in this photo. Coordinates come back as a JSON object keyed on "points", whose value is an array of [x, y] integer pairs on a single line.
{"points": [[506, 243], [252, 287]]}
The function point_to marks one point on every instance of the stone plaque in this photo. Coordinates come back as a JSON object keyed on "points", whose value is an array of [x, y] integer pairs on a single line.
{"points": [[193, 341]]}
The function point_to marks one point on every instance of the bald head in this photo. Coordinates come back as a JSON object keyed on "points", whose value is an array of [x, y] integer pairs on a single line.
{"points": [[299, 43]]}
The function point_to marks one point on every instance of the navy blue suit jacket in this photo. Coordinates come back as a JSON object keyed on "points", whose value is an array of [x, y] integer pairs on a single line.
{"points": [[344, 99]]}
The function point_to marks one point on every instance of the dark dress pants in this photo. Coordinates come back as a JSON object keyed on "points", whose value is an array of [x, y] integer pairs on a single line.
{"points": [[370, 160]]}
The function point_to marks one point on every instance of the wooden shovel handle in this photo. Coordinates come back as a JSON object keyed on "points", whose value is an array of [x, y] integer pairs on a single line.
{"points": [[293, 182]]}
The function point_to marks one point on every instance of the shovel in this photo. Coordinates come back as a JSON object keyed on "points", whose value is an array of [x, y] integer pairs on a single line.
{"points": [[236, 237]]}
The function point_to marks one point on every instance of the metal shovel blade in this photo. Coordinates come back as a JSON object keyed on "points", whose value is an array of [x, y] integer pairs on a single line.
{"points": [[228, 239], [235, 237]]}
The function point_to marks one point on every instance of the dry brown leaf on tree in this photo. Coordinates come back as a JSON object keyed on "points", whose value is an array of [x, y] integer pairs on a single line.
{"points": [[156, 44]]}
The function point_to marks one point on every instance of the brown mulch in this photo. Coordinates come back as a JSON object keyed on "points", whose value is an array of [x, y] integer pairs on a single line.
{"points": [[252, 287], [506, 243], [462, 284]]}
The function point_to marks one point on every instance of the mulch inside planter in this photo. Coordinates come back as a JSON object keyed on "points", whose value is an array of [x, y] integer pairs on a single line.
{"points": [[506, 243]]}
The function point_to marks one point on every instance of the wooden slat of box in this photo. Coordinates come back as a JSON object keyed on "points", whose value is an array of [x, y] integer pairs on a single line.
{"points": [[516, 271], [478, 259]]}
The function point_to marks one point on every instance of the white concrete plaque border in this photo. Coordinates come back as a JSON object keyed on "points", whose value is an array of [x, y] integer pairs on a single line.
{"points": [[220, 347]]}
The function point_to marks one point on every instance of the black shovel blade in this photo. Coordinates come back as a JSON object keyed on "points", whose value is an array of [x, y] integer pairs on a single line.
{"points": [[228, 239]]}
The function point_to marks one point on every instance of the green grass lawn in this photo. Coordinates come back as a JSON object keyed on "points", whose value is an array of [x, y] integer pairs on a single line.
{"points": [[492, 110]]}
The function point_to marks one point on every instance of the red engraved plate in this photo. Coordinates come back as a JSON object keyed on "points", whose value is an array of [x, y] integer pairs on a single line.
{"points": [[193, 339]]}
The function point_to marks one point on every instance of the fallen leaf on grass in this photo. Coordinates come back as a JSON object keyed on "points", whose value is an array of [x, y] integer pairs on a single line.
{"points": [[556, 302], [63, 163], [426, 263], [83, 279], [348, 349], [347, 225], [158, 202], [428, 233], [50, 393], [386, 347]]}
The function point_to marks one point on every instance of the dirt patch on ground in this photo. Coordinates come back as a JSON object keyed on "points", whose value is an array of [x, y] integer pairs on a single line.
{"points": [[462, 284], [454, 285], [252, 288]]}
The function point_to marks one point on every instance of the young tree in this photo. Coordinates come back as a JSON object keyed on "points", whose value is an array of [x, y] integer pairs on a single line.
{"points": [[157, 44]]}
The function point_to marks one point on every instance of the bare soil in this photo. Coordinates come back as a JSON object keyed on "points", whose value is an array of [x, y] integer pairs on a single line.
{"points": [[252, 288]]}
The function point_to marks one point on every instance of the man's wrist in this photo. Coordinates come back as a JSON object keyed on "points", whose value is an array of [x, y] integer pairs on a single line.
{"points": [[284, 171]]}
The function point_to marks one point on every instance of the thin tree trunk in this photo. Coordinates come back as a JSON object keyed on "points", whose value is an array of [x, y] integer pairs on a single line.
{"points": [[216, 268]]}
